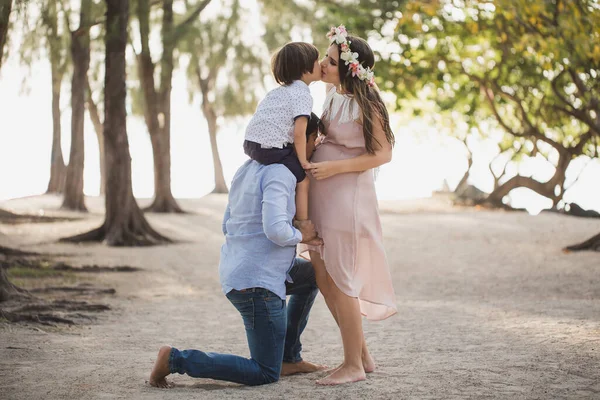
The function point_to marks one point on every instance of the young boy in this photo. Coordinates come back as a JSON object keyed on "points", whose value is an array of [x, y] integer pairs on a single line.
{"points": [[277, 132]]}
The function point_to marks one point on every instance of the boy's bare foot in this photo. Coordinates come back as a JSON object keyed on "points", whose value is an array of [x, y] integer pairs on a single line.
{"points": [[161, 369], [302, 367], [344, 374]]}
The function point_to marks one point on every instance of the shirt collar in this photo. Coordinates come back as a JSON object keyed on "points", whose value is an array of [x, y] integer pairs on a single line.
{"points": [[300, 85]]}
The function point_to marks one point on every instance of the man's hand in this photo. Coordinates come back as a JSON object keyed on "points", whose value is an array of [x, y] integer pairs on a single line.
{"points": [[309, 234]]}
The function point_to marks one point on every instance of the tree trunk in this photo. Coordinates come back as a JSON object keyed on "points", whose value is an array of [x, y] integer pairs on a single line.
{"points": [[157, 104], [592, 243], [5, 9], [80, 52], [124, 223], [547, 189], [464, 182], [164, 202], [211, 119], [57, 163], [99, 129], [9, 291], [220, 185], [58, 170]]}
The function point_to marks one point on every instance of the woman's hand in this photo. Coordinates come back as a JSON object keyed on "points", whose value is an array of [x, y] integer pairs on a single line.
{"points": [[325, 169]]}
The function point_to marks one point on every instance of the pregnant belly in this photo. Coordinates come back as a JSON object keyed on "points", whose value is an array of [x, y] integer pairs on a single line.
{"points": [[330, 152]]}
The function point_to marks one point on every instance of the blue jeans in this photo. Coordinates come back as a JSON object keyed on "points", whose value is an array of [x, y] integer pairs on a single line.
{"points": [[272, 329]]}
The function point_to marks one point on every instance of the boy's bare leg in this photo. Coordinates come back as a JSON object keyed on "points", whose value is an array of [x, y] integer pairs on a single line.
{"points": [[161, 369], [302, 200]]}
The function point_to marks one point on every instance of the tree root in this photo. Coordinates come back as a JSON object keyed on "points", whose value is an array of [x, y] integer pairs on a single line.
{"points": [[164, 205], [7, 251], [72, 289], [44, 319], [8, 217], [43, 313], [62, 305], [592, 243], [94, 268], [138, 233]]}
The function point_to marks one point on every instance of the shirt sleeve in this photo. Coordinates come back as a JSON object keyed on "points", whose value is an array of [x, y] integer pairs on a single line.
{"points": [[225, 219], [277, 191], [302, 105]]}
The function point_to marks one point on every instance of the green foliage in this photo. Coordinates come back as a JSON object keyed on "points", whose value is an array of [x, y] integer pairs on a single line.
{"points": [[226, 68], [533, 66]]}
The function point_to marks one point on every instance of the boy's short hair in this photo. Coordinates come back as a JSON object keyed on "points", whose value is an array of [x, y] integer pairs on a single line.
{"points": [[314, 125], [292, 61]]}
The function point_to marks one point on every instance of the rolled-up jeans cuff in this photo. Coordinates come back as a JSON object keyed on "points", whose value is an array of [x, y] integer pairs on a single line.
{"points": [[292, 360], [174, 357]]}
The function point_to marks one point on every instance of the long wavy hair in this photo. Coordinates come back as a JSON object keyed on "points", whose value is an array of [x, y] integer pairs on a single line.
{"points": [[367, 97]]}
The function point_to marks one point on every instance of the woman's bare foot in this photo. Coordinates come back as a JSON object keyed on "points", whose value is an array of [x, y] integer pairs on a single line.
{"points": [[161, 369], [344, 374], [368, 365], [302, 367]]}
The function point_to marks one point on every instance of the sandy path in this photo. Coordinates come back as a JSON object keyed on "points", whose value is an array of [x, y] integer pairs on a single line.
{"points": [[489, 307]]}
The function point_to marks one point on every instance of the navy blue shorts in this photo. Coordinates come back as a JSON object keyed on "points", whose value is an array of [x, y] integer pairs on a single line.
{"points": [[286, 156]]}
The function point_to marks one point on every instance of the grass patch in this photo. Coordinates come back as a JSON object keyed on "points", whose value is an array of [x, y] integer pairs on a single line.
{"points": [[27, 272], [28, 277]]}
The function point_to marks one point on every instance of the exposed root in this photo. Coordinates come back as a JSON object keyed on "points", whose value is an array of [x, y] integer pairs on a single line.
{"points": [[8, 217], [592, 243], [73, 289]]}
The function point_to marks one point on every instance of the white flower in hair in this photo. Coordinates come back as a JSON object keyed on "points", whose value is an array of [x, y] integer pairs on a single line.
{"points": [[338, 36], [349, 57]]}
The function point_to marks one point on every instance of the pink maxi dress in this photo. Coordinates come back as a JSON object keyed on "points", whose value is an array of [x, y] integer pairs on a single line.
{"points": [[345, 212]]}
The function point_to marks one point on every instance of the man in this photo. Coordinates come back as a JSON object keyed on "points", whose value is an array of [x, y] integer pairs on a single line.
{"points": [[258, 268]]}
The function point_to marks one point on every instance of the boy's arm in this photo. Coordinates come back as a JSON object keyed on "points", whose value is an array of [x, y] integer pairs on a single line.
{"points": [[300, 140]]}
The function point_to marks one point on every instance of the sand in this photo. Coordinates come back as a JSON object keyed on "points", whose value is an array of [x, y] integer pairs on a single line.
{"points": [[489, 307]]}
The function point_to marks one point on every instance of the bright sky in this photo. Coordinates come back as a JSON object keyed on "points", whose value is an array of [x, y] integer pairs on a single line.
{"points": [[423, 157]]}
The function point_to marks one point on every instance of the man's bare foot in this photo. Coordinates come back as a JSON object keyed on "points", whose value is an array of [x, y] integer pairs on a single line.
{"points": [[368, 365], [161, 369], [344, 374], [302, 367]]}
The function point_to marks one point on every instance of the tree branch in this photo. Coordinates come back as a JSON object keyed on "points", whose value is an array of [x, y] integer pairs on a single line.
{"points": [[583, 139], [183, 25], [578, 82], [571, 110], [81, 30], [579, 175]]}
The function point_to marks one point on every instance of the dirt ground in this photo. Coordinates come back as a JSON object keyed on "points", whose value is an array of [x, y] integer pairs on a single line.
{"points": [[488, 308]]}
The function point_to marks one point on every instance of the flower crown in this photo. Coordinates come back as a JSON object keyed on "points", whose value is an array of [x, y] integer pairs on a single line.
{"points": [[338, 35]]}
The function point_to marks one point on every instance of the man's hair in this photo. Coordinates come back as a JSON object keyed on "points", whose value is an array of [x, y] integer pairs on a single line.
{"points": [[292, 61]]}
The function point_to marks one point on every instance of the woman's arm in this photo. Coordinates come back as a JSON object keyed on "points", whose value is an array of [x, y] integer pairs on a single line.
{"points": [[382, 155]]}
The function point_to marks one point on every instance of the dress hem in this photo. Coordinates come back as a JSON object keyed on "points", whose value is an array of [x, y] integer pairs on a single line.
{"points": [[318, 249]]}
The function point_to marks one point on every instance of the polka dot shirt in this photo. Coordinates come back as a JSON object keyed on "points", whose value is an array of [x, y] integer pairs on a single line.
{"points": [[273, 123]]}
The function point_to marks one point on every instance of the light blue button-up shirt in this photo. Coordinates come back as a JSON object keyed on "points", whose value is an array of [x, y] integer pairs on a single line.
{"points": [[260, 241]]}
